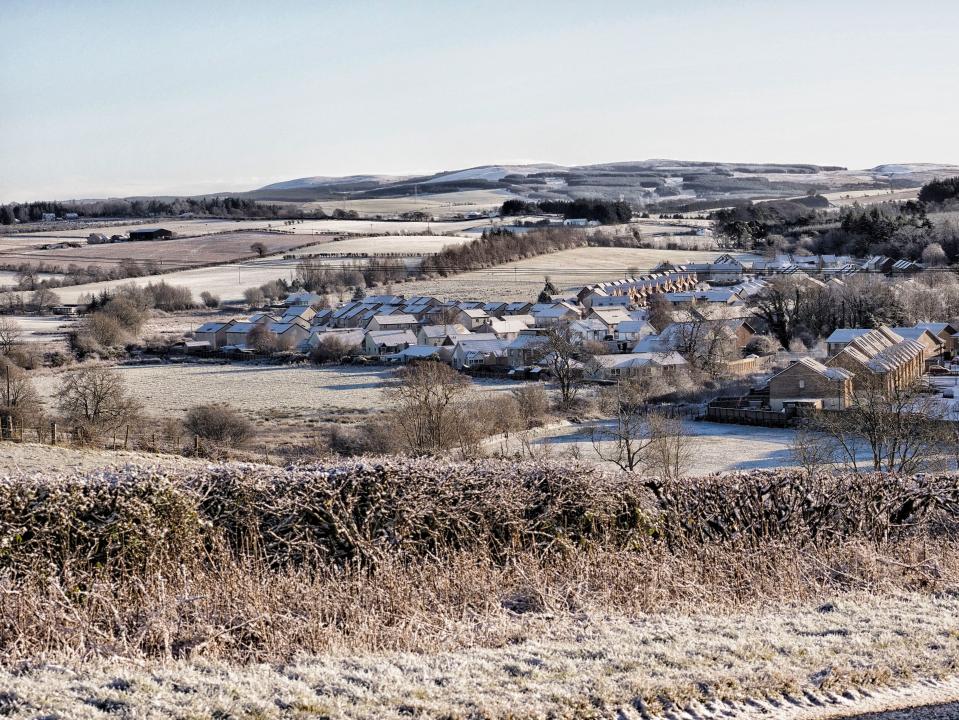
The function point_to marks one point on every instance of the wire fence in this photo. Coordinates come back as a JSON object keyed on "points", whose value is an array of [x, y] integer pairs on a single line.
{"points": [[123, 437]]}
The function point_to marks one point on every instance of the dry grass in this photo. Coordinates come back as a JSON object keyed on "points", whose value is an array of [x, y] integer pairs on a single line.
{"points": [[523, 280], [439, 589]]}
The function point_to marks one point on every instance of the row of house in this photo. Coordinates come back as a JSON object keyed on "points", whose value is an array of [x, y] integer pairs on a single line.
{"points": [[888, 358]]}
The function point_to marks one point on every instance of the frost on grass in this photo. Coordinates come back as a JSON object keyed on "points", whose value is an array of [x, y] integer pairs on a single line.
{"points": [[388, 587]]}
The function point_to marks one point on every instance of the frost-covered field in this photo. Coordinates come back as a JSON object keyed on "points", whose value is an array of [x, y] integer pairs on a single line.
{"points": [[792, 661], [255, 388], [389, 244], [716, 447], [523, 280]]}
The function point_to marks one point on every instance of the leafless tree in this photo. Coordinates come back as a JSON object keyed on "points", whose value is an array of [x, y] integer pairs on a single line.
{"points": [[670, 453], [898, 428], [10, 334], [43, 299], [259, 248], [18, 398], [564, 355], [94, 401], [624, 440], [422, 396], [254, 297]]}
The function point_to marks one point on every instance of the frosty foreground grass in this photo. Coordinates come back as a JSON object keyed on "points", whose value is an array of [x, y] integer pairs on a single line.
{"points": [[570, 666]]}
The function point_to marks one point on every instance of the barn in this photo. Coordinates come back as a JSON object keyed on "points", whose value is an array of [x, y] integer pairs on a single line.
{"points": [[151, 234]]}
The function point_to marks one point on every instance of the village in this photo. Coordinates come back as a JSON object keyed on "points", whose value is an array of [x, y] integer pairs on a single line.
{"points": [[678, 319]]}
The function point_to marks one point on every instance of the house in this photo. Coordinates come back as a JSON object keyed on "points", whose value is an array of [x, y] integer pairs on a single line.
{"points": [[477, 353], [302, 298], [946, 333], [289, 334], [589, 330], [397, 321], [809, 382], [653, 364], [415, 352], [48, 217], [516, 308], [151, 234], [304, 312], [611, 317], [549, 314], [437, 335], [472, 318], [881, 355], [507, 328], [842, 337], [929, 340], [237, 332], [630, 332], [387, 342], [213, 333], [526, 349], [347, 337]]}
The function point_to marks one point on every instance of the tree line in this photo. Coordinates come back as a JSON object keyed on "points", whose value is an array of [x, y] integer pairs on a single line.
{"points": [[606, 212]]}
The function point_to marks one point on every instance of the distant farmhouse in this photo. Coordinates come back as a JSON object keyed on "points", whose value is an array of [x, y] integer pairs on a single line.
{"points": [[151, 234]]}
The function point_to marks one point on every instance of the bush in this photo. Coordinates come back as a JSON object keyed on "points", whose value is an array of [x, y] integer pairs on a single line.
{"points": [[209, 299], [218, 424]]}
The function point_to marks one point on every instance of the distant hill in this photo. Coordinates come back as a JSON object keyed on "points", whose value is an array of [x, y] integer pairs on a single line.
{"points": [[657, 182]]}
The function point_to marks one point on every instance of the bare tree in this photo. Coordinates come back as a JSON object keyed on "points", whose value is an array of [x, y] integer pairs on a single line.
{"points": [[254, 297], [670, 452], [18, 398], [423, 396], [898, 428], [94, 401], [259, 248], [564, 354], [812, 449], [43, 299], [623, 440], [10, 334]]}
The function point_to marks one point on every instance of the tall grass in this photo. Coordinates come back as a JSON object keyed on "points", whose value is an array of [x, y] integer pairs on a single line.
{"points": [[247, 562]]}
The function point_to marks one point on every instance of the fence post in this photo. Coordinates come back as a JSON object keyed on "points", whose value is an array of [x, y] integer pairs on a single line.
{"points": [[196, 444], [126, 437], [53, 433]]}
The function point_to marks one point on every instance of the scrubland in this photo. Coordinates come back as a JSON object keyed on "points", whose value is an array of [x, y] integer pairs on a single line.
{"points": [[388, 587]]}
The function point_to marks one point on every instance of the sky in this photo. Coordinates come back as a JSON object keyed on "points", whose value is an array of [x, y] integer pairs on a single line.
{"points": [[129, 98]]}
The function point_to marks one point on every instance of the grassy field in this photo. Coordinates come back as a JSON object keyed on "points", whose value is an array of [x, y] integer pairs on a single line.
{"points": [[590, 665], [175, 253], [438, 204], [256, 389], [390, 244], [524, 279]]}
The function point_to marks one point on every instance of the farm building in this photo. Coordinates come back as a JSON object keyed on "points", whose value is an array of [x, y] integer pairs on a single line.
{"points": [[151, 234]]}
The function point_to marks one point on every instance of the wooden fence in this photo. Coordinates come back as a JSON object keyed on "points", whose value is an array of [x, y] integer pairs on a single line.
{"points": [[126, 437], [743, 416]]}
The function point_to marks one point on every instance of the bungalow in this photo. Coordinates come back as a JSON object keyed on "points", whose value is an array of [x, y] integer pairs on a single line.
{"points": [[809, 382], [517, 308], [387, 342], [415, 352], [348, 337], [477, 353], [614, 367], [630, 332], [611, 317], [303, 298]]}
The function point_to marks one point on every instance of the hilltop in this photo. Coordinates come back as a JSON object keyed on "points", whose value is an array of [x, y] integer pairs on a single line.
{"points": [[646, 182]]}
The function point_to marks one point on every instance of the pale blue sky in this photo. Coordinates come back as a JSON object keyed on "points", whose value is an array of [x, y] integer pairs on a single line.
{"points": [[124, 98]]}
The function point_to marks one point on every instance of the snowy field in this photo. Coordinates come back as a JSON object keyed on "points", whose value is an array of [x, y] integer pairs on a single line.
{"points": [[524, 279], [716, 447], [49, 328], [299, 389], [388, 244]]}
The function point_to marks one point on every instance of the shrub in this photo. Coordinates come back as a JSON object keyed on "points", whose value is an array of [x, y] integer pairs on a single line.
{"points": [[218, 424], [209, 299], [332, 348]]}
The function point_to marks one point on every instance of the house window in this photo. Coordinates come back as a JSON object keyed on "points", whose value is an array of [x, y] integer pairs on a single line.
{"points": [[802, 384]]}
